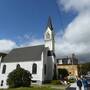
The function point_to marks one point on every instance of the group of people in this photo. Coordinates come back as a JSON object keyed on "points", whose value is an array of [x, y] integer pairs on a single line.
{"points": [[82, 82]]}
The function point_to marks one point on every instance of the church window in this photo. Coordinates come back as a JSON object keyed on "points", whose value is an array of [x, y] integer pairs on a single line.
{"points": [[34, 68], [18, 66], [49, 53], [4, 69], [2, 83], [45, 69]]}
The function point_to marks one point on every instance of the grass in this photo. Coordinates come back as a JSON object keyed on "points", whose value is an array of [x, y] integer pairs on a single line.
{"points": [[46, 87], [30, 88], [54, 85]]}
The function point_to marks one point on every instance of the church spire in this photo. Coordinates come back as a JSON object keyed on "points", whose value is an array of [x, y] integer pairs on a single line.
{"points": [[50, 23], [49, 35]]}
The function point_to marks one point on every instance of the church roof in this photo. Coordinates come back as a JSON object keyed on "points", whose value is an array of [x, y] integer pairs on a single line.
{"points": [[2, 54], [50, 23], [32, 53]]}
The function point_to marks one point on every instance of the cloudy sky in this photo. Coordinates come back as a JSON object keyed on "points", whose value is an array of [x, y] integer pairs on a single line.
{"points": [[23, 22]]}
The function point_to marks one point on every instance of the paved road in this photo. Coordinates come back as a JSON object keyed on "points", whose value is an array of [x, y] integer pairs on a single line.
{"points": [[88, 88], [74, 87], [71, 88]]}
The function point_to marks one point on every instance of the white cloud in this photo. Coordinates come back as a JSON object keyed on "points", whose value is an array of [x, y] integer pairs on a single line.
{"points": [[76, 36], [78, 5], [7, 45], [78, 31], [32, 42], [29, 40]]}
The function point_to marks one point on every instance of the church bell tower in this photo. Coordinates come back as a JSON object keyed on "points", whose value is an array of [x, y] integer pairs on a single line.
{"points": [[49, 36]]}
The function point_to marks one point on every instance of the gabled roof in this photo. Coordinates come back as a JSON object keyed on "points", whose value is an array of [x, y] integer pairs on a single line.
{"points": [[32, 53], [50, 23]]}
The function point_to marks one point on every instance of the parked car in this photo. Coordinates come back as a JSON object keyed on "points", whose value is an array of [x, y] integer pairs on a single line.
{"points": [[88, 80]]}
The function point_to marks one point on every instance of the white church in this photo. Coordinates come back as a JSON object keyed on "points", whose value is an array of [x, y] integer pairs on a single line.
{"points": [[39, 60]]}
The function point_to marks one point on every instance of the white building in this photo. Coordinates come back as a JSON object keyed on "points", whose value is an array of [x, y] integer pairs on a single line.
{"points": [[39, 60], [68, 60]]}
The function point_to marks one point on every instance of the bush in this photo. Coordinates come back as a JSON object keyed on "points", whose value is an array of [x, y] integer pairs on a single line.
{"points": [[71, 80], [62, 73], [19, 77]]}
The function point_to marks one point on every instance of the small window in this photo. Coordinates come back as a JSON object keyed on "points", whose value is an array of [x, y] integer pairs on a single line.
{"points": [[2, 83], [4, 69], [34, 68], [45, 69]]}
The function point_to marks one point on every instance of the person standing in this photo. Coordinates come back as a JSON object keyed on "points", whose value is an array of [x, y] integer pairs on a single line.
{"points": [[79, 84], [85, 83]]}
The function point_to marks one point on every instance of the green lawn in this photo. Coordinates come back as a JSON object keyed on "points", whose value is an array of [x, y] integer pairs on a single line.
{"points": [[31, 88], [37, 88]]}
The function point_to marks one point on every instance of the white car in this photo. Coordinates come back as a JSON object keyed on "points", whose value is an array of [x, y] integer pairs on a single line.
{"points": [[88, 79]]}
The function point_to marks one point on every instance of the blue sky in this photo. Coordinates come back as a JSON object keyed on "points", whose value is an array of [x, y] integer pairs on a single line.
{"points": [[23, 23], [20, 17]]}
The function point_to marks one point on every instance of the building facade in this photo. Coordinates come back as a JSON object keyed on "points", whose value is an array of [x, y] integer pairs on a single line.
{"points": [[38, 60], [70, 64]]}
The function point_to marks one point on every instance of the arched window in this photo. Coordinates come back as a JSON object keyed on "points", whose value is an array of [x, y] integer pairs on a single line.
{"points": [[18, 66], [2, 83], [4, 69], [49, 53], [34, 68]]}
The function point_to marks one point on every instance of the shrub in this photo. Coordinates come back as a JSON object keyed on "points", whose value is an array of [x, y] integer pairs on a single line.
{"points": [[71, 80], [19, 77], [62, 73]]}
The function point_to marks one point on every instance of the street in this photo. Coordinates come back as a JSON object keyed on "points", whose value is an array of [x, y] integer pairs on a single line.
{"points": [[88, 88], [74, 87]]}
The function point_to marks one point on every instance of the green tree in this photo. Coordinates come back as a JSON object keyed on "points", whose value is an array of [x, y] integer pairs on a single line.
{"points": [[84, 68], [19, 77], [62, 73]]}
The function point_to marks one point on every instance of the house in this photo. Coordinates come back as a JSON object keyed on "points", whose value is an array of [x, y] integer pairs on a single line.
{"points": [[68, 60], [69, 63], [38, 60]]}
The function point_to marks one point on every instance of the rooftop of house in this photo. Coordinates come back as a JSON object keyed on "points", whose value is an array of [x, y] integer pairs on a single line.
{"points": [[32, 53]]}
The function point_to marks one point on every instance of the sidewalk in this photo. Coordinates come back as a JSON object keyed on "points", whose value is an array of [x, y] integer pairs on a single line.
{"points": [[73, 86]]}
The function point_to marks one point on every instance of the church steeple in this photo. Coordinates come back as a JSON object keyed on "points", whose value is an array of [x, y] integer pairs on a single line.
{"points": [[49, 36], [50, 23]]}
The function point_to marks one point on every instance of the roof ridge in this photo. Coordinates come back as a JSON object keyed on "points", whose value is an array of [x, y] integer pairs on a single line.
{"points": [[28, 47]]}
